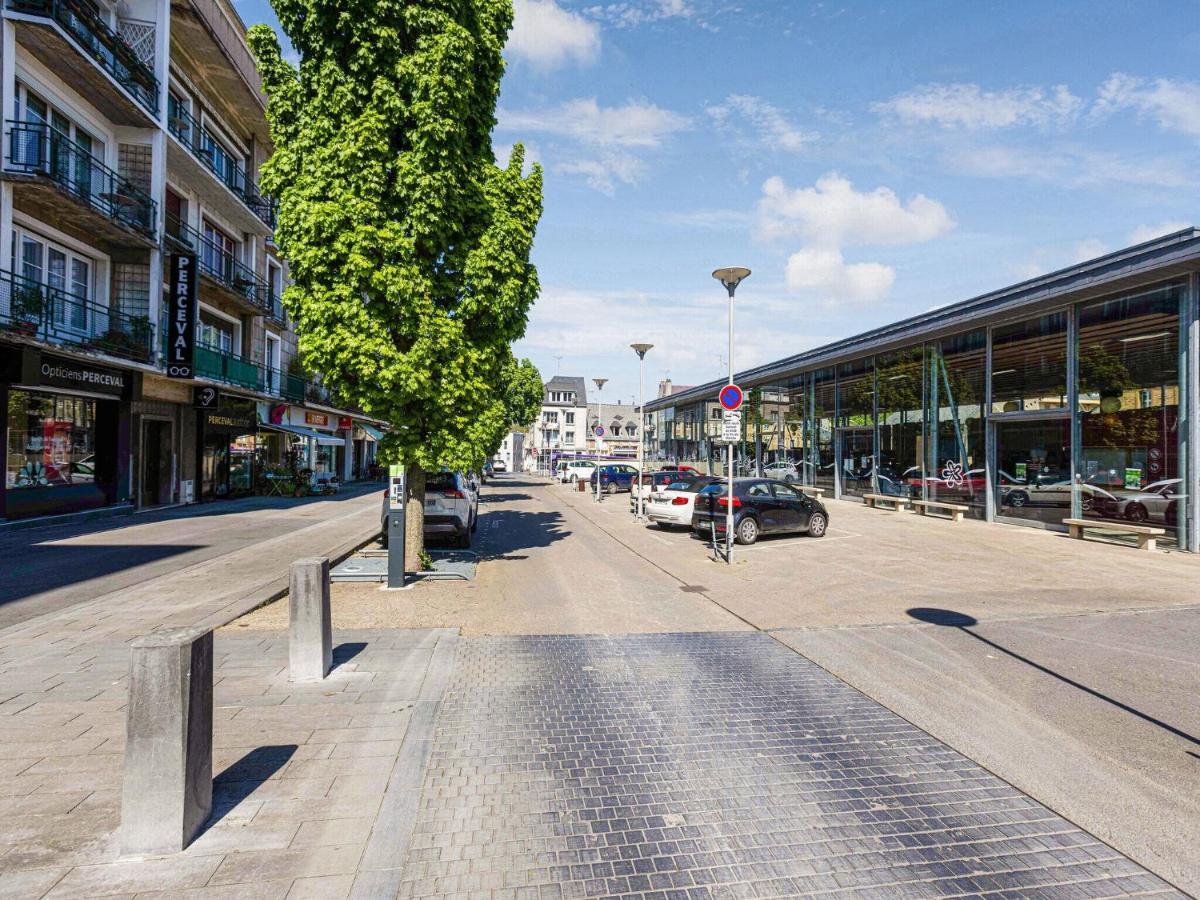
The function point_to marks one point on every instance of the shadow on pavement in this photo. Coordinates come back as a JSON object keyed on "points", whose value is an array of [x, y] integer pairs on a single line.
{"points": [[242, 778], [963, 622], [343, 653], [45, 567], [512, 530]]}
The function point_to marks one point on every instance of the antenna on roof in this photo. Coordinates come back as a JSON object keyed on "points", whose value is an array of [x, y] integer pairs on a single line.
{"points": [[557, 364]]}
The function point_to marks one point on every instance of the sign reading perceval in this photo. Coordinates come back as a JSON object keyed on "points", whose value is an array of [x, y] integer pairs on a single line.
{"points": [[181, 342]]}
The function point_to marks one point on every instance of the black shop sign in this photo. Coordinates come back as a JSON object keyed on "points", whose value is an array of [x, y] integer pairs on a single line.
{"points": [[181, 322], [47, 370]]}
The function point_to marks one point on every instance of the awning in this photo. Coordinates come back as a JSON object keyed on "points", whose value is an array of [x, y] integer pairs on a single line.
{"points": [[324, 440], [372, 432]]}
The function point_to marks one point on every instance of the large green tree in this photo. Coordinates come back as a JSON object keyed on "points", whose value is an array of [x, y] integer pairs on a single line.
{"points": [[407, 245]]}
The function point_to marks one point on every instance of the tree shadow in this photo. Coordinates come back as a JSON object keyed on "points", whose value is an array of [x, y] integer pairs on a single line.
{"points": [[963, 622], [241, 779], [513, 530]]}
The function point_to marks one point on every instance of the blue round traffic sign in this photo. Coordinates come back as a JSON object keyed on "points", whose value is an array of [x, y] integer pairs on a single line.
{"points": [[599, 431], [731, 397]]}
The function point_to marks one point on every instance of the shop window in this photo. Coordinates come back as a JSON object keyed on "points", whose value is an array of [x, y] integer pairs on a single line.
{"points": [[899, 385], [51, 440], [823, 399], [1029, 365], [955, 464], [1128, 466]]}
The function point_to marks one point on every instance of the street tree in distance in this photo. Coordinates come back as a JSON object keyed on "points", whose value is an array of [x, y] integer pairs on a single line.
{"points": [[522, 400], [408, 246]]}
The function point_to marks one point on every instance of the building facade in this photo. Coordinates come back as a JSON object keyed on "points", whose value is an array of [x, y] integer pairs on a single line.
{"points": [[133, 134], [621, 429], [1073, 395], [562, 425]]}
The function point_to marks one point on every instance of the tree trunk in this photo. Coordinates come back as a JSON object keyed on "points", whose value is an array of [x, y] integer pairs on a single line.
{"points": [[414, 519]]}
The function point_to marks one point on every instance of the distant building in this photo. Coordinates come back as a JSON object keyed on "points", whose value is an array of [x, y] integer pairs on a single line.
{"points": [[621, 427], [563, 422]]}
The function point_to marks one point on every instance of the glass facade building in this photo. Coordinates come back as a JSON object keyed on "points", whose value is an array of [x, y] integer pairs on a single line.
{"points": [[1072, 396]]}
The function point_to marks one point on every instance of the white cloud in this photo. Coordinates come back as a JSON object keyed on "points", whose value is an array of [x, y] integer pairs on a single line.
{"points": [[970, 107], [548, 36], [604, 173], [1072, 166], [1144, 233], [823, 271], [771, 126], [1174, 105], [628, 15], [833, 214], [708, 219], [636, 124]]}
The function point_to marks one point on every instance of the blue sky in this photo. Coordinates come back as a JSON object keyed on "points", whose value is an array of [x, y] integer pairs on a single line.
{"points": [[867, 160]]}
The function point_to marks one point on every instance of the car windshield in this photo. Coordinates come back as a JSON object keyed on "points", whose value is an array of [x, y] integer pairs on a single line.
{"points": [[690, 486]]}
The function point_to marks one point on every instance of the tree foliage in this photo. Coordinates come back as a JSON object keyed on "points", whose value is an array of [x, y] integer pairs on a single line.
{"points": [[408, 246]]}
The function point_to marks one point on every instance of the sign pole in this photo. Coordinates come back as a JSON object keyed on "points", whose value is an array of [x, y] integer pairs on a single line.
{"points": [[729, 451], [395, 526]]}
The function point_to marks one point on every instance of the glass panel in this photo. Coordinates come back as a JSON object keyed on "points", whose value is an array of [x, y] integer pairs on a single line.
{"points": [[56, 278], [856, 394], [1029, 365], [858, 462], [51, 440], [955, 383], [1128, 468], [31, 259], [901, 434], [1033, 478], [823, 399], [80, 284]]}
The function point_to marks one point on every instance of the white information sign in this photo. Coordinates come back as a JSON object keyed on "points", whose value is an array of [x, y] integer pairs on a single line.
{"points": [[731, 428]]}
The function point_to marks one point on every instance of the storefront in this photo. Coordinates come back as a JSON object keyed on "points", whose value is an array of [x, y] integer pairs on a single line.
{"points": [[366, 438], [67, 441], [1070, 397], [227, 449]]}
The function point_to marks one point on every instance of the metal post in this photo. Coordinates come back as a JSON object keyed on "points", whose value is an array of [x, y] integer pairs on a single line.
{"points": [[641, 435], [729, 472]]}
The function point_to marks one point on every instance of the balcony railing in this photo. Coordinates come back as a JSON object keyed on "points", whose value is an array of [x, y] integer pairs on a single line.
{"points": [[222, 265], [205, 148], [50, 314], [114, 55], [36, 148], [231, 368]]}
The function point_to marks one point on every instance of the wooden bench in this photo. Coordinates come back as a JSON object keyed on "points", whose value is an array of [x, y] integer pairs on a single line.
{"points": [[1147, 536], [956, 510], [810, 491], [898, 502]]}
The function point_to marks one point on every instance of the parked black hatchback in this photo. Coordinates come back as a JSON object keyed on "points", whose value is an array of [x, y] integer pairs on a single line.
{"points": [[760, 506]]}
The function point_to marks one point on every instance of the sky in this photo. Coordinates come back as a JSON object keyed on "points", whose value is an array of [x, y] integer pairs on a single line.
{"points": [[868, 161]]}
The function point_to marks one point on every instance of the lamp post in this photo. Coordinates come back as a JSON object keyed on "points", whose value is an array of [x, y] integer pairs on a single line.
{"points": [[599, 382], [731, 277], [641, 350]]}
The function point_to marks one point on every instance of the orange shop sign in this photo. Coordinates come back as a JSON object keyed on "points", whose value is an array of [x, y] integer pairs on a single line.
{"points": [[315, 418]]}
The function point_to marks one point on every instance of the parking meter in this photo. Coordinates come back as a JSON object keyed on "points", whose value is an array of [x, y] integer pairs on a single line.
{"points": [[395, 527]]}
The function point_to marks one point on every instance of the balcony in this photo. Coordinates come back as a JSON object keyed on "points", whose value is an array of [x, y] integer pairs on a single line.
{"points": [[205, 149], [121, 84], [236, 279], [40, 312], [56, 174]]}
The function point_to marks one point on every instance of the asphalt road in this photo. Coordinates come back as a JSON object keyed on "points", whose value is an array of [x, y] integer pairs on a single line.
{"points": [[49, 569]]}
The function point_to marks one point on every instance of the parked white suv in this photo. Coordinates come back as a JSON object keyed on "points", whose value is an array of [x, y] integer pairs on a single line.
{"points": [[451, 507]]}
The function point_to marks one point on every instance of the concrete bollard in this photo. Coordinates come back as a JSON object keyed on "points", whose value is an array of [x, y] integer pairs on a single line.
{"points": [[167, 794], [310, 632]]}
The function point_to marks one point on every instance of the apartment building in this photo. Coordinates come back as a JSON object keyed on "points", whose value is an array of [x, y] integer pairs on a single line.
{"points": [[562, 426], [134, 133]]}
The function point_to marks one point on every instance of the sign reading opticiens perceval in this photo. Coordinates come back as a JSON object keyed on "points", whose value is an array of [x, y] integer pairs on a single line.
{"points": [[181, 323]]}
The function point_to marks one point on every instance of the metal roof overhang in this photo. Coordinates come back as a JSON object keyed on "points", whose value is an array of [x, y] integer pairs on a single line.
{"points": [[1163, 259]]}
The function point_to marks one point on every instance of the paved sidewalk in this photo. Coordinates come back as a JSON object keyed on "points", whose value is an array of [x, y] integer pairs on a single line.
{"points": [[716, 765], [310, 780]]}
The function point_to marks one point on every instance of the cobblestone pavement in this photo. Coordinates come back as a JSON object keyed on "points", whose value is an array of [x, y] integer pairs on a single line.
{"points": [[715, 765]]}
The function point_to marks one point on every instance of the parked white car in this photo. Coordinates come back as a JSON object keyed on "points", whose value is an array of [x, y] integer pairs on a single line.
{"points": [[651, 482], [671, 506], [781, 470], [575, 470], [451, 507]]}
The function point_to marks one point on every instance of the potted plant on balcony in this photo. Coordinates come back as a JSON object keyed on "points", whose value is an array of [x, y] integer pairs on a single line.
{"points": [[130, 339], [26, 309]]}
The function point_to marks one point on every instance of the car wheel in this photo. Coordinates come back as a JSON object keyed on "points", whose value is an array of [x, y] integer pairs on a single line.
{"points": [[612, 488], [817, 525], [1136, 513], [573, 479], [383, 540], [464, 541], [790, 479], [1018, 498], [747, 531]]}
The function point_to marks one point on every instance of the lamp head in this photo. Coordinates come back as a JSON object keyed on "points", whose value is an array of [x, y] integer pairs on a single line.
{"points": [[641, 349], [599, 383], [731, 277]]}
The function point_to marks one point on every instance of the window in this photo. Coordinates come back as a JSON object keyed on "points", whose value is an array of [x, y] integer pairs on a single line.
{"points": [[550, 418], [569, 418], [1029, 364], [216, 333], [758, 489], [783, 492], [569, 437], [272, 361], [51, 440], [66, 274], [275, 279], [218, 252]]}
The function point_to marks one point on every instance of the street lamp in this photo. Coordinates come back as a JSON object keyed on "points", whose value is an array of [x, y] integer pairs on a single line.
{"points": [[731, 277], [641, 350], [599, 383]]}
